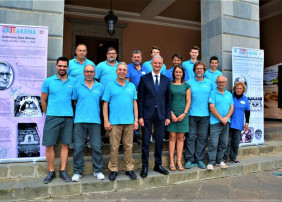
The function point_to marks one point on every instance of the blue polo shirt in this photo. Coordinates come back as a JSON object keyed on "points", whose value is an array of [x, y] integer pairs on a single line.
{"points": [[200, 93], [150, 68], [106, 73], [209, 74], [222, 104], [76, 69], [120, 99], [88, 102], [59, 95], [168, 73], [240, 106], [188, 67], [134, 75]]}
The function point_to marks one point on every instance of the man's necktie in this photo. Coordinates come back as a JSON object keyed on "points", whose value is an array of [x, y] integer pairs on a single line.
{"points": [[157, 83]]}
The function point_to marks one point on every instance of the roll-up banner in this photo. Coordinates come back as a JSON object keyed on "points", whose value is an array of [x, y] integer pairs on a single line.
{"points": [[272, 85], [247, 67], [23, 68]]}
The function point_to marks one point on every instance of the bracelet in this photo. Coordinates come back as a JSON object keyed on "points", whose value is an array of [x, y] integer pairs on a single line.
{"points": [[136, 120], [185, 113]]}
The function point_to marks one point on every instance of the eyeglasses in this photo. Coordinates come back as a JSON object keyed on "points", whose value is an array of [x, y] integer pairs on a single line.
{"points": [[199, 68], [221, 82], [87, 72], [8, 75], [65, 66], [111, 53]]}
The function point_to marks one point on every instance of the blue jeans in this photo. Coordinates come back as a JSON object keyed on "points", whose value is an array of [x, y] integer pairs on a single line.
{"points": [[195, 149], [233, 144], [218, 142], [80, 135]]}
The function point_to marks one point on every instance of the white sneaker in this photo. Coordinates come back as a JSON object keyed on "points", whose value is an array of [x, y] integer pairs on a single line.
{"points": [[100, 176], [76, 177], [209, 167], [223, 165]]}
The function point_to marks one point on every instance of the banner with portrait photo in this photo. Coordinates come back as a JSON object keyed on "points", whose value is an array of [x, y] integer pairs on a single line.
{"points": [[23, 68], [247, 67], [273, 92]]}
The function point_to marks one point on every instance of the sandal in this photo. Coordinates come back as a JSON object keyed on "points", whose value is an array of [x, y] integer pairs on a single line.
{"points": [[180, 167], [172, 168]]}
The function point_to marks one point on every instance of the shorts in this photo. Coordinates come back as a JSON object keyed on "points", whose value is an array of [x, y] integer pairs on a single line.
{"points": [[57, 128]]}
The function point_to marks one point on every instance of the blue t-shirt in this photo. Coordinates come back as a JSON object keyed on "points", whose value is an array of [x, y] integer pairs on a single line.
{"points": [[222, 104], [59, 95], [120, 99], [200, 93], [149, 67], [134, 75], [88, 102], [240, 106], [212, 76], [168, 74], [188, 67], [76, 69], [106, 72]]}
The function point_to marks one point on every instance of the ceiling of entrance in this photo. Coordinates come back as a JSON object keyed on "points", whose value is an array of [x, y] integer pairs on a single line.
{"points": [[175, 13]]}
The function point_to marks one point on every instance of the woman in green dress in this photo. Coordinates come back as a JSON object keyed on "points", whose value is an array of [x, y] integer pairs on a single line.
{"points": [[180, 104]]}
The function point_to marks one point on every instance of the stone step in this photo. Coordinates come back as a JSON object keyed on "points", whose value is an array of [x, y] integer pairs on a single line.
{"points": [[106, 149], [33, 188], [40, 169], [273, 130]]}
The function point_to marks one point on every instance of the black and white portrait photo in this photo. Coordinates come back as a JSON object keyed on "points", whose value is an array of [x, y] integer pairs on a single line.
{"points": [[6, 75]]}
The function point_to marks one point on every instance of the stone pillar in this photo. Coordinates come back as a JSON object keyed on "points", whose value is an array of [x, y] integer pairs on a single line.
{"points": [[226, 24], [38, 13]]}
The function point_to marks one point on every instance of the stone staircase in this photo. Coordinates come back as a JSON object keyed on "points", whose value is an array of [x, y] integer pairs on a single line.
{"points": [[25, 180]]}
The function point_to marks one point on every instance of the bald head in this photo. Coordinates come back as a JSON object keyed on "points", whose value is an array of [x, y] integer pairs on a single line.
{"points": [[5, 76]]}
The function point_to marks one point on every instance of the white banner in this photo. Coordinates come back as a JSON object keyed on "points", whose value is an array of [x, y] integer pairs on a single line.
{"points": [[23, 68], [247, 66]]}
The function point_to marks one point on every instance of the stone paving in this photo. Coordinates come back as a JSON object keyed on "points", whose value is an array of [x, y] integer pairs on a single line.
{"points": [[262, 186]]}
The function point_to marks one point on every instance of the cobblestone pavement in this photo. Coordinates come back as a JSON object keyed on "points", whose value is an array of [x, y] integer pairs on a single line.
{"points": [[263, 186]]}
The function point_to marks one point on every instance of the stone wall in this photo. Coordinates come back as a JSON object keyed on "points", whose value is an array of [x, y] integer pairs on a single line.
{"points": [[38, 13], [227, 24]]}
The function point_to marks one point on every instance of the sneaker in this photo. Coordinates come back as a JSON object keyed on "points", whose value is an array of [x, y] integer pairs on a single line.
{"points": [[223, 165], [76, 177], [50, 177], [201, 165], [235, 161], [210, 167], [188, 165], [100, 176], [64, 176]]}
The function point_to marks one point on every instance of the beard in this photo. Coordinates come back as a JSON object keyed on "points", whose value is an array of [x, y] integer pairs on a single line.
{"points": [[137, 62], [62, 73], [111, 60]]}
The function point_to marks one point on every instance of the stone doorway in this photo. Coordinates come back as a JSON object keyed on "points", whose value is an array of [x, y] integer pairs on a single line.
{"points": [[97, 46]]}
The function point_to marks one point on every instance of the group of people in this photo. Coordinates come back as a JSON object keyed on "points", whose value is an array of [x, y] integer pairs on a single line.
{"points": [[186, 100]]}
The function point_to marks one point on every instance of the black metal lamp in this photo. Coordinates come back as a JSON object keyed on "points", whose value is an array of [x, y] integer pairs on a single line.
{"points": [[111, 21]]}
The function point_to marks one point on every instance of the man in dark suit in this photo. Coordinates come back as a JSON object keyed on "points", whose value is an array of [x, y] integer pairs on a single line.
{"points": [[154, 108]]}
